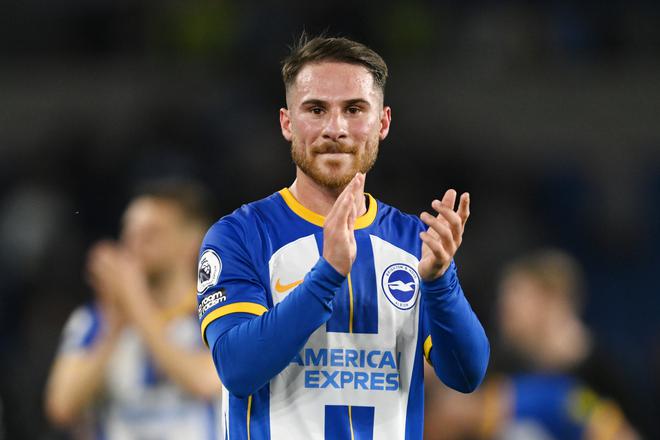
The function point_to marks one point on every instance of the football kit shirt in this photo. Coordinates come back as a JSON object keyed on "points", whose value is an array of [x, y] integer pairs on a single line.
{"points": [[138, 401], [357, 371]]}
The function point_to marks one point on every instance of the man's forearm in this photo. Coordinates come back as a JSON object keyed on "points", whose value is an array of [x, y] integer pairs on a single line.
{"points": [[190, 369], [250, 351], [75, 379], [460, 347]]}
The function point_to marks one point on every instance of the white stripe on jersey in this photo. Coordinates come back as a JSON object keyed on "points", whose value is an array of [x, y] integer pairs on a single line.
{"points": [[297, 412]]}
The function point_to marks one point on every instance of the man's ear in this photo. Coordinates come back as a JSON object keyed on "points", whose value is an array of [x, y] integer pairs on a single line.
{"points": [[285, 124], [385, 121]]}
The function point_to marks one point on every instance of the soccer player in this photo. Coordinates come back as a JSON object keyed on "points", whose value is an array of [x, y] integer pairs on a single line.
{"points": [[558, 386], [320, 303], [131, 364]]}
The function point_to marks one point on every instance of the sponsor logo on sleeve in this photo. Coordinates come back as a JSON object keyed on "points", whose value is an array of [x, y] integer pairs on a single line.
{"points": [[208, 272], [400, 284], [211, 301]]}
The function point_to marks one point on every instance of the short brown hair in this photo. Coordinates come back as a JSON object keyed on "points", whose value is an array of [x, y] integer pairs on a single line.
{"points": [[322, 48], [192, 198], [555, 271]]}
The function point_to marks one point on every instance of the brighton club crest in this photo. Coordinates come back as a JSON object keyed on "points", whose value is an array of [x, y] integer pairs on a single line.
{"points": [[400, 284]]}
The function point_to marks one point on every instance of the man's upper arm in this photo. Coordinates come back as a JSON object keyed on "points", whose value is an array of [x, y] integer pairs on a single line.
{"points": [[81, 330], [228, 281]]}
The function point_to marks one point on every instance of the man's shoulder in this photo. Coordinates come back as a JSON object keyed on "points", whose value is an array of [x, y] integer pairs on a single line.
{"points": [[245, 221], [252, 212], [81, 328], [390, 214]]}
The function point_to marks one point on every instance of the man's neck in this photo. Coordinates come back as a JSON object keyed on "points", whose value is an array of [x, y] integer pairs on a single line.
{"points": [[318, 198]]}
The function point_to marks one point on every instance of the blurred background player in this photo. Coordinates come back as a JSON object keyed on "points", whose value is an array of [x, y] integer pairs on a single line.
{"points": [[131, 364], [553, 381]]}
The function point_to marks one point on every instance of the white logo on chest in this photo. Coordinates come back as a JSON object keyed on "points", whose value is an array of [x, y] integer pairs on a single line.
{"points": [[400, 284]]}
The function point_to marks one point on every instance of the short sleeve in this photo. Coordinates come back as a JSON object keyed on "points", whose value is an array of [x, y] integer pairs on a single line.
{"points": [[81, 330], [227, 278]]}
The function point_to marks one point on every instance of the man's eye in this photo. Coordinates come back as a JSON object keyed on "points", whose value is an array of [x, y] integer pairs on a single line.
{"points": [[354, 110], [317, 110]]}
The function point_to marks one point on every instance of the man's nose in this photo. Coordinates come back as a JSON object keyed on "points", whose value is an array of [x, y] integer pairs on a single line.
{"points": [[335, 126]]}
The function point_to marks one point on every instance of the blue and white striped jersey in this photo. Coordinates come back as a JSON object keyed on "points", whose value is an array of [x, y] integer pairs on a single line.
{"points": [[137, 400], [359, 376]]}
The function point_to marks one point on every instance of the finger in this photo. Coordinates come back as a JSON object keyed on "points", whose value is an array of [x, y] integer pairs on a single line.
{"points": [[349, 188], [436, 204], [435, 246], [439, 206], [445, 234], [464, 207], [344, 210], [449, 199], [453, 220], [358, 189]]}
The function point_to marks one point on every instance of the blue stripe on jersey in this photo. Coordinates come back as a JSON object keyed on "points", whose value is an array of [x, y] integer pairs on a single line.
{"points": [[337, 425], [415, 409], [94, 329], [149, 374], [362, 418], [339, 321], [260, 414], [237, 417], [342, 423], [365, 290]]}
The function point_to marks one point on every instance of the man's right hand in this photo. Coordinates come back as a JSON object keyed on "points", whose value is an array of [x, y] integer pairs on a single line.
{"points": [[339, 246]]}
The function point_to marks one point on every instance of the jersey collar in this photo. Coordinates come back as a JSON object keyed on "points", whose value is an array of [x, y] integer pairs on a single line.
{"points": [[361, 222]]}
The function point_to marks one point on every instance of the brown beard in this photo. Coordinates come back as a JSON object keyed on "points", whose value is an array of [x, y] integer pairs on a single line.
{"points": [[304, 160]]}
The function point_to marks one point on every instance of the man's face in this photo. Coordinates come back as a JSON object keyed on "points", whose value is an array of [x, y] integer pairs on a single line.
{"points": [[153, 232], [522, 308], [334, 121]]}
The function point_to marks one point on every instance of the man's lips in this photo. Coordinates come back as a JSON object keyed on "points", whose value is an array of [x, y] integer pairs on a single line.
{"points": [[334, 149]]}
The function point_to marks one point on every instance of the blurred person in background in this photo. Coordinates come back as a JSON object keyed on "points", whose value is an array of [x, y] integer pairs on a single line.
{"points": [[132, 364], [555, 383]]}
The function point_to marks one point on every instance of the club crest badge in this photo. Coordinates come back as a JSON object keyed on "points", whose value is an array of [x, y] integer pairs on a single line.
{"points": [[208, 272], [400, 284]]}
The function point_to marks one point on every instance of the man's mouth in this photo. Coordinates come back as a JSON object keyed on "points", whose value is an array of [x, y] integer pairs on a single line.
{"points": [[335, 149]]}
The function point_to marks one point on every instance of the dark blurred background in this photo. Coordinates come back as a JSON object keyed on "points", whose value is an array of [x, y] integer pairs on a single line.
{"points": [[547, 112]]}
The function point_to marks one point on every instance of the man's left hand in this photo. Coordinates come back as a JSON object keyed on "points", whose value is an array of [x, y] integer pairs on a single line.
{"points": [[114, 271], [444, 236]]}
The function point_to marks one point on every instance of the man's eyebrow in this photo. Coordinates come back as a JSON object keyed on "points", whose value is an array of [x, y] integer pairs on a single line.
{"points": [[347, 103], [357, 101], [315, 102]]}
